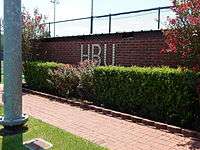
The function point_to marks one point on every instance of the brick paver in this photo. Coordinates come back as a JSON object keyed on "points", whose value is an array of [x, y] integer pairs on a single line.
{"points": [[106, 131]]}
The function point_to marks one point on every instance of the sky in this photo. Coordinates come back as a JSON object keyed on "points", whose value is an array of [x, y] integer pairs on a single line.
{"points": [[68, 9]]}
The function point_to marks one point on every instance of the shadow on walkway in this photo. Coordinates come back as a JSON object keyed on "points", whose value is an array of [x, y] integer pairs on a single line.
{"points": [[193, 144]]}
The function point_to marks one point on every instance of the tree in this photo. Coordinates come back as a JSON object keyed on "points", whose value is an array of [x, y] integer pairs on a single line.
{"points": [[183, 34], [33, 27]]}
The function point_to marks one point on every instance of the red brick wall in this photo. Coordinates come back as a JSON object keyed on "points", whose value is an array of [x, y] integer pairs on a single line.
{"points": [[132, 48]]}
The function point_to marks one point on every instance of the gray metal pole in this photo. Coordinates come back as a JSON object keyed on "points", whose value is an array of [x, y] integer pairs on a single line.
{"points": [[92, 17], [0, 34], [12, 97], [54, 18], [159, 18], [49, 29], [110, 23], [55, 2], [0, 50]]}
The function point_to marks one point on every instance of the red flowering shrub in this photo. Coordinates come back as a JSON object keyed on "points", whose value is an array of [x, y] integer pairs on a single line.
{"points": [[86, 76], [64, 80], [33, 27], [183, 35]]}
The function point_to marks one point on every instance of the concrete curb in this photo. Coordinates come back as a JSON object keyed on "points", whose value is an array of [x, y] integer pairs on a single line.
{"points": [[124, 116]]}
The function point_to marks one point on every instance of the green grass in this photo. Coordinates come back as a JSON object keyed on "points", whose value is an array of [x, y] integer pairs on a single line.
{"points": [[60, 139]]}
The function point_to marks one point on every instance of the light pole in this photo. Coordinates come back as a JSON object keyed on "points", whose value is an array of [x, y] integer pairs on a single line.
{"points": [[0, 49], [92, 16], [55, 2], [0, 34], [12, 96]]}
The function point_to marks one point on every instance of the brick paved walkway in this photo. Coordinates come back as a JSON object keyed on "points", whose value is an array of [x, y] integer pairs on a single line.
{"points": [[107, 131]]}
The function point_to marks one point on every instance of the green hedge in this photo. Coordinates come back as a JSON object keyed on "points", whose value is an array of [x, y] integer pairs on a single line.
{"points": [[60, 79], [36, 75], [162, 94]]}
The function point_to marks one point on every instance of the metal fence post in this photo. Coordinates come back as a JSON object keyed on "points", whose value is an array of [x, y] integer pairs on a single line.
{"points": [[158, 18], [49, 29], [92, 16], [110, 23], [91, 25]]}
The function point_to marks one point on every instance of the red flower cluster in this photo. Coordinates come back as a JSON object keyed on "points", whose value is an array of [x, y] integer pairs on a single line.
{"points": [[33, 27], [184, 7], [183, 35], [193, 20]]}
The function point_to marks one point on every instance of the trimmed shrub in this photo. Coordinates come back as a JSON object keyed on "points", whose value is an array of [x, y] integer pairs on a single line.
{"points": [[60, 79], [86, 75], [37, 75], [65, 80], [161, 94]]}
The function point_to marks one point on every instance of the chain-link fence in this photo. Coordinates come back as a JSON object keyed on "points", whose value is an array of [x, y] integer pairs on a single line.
{"points": [[147, 19]]}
